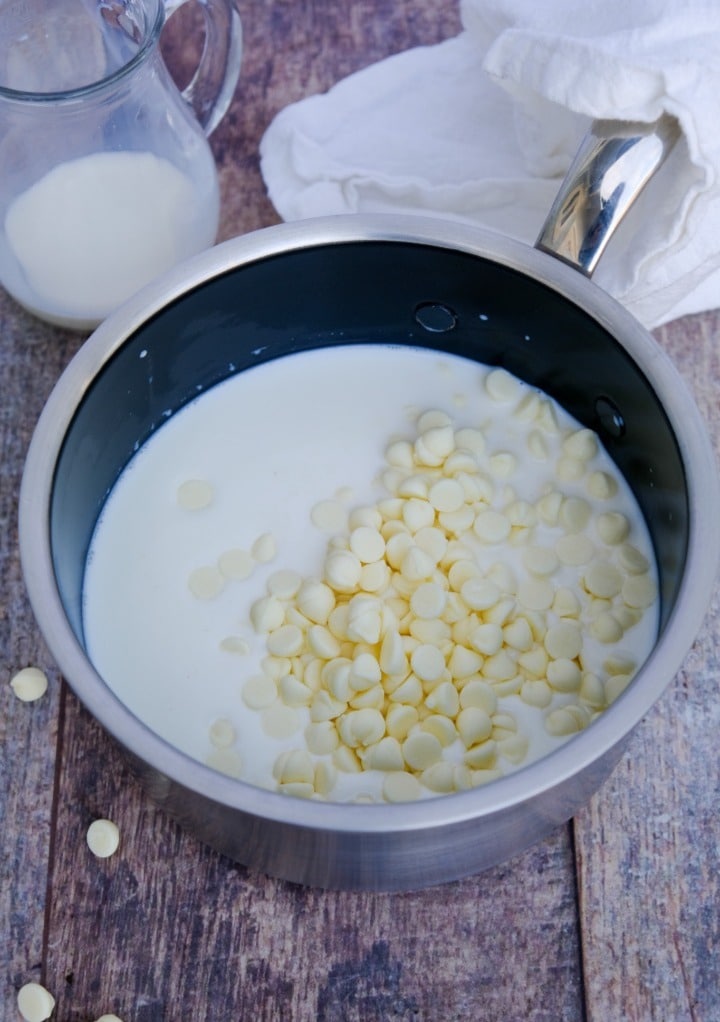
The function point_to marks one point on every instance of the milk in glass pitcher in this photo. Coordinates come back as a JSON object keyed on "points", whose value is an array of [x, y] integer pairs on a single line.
{"points": [[106, 175]]}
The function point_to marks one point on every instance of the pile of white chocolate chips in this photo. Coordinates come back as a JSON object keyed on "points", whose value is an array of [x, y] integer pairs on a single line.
{"points": [[455, 623]]}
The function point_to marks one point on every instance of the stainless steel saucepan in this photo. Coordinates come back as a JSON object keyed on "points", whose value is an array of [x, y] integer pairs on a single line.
{"points": [[425, 283]]}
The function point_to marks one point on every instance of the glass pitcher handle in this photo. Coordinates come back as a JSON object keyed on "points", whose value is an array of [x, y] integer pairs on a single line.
{"points": [[211, 88]]}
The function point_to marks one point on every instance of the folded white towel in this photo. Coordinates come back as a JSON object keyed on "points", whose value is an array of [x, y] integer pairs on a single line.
{"points": [[482, 127]]}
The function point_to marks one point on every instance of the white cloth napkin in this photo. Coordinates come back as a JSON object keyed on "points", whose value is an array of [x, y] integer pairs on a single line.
{"points": [[482, 127]]}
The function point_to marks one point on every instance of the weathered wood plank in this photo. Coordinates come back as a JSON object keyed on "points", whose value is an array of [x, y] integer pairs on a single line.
{"points": [[31, 356], [649, 843]]}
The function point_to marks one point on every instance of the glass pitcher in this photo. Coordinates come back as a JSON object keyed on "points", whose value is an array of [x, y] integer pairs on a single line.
{"points": [[106, 175]]}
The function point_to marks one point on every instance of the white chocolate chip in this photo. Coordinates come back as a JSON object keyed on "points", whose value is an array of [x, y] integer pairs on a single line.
{"points": [[293, 691], [295, 766], [35, 1003], [482, 757], [361, 727], [206, 583], [367, 544], [581, 444], [444, 699], [563, 640], [259, 692], [515, 748], [29, 684], [440, 778], [518, 634], [480, 593], [502, 464], [639, 591], [438, 440], [267, 614], [103, 838], [464, 662], [400, 454], [575, 548], [536, 692], [195, 494], [601, 485], [235, 644], [365, 517], [574, 514], [324, 779], [472, 440], [566, 720], [491, 526], [540, 560], [499, 667], [384, 755], [416, 565], [474, 725], [264, 549], [236, 564], [427, 662], [603, 579], [479, 694], [399, 786], [284, 584], [566, 602], [487, 638], [447, 495], [315, 601], [434, 418], [343, 571], [548, 507], [285, 641], [502, 386], [615, 686], [329, 516], [225, 761], [421, 749], [222, 733], [631, 560], [612, 527], [564, 675], [428, 601]]}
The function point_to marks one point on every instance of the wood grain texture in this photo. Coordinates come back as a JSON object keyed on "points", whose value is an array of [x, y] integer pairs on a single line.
{"points": [[614, 918], [649, 843], [31, 356]]}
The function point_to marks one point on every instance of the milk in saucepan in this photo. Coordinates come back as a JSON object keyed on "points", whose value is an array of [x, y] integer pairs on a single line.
{"points": [[370, 572]]}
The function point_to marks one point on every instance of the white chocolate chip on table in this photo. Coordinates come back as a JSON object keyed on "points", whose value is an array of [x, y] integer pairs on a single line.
{"points": [[35, 1003], [103, 838], [29, 684]]}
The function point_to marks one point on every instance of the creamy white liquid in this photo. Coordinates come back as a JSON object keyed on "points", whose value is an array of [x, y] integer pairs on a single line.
{"points": [[271, 443], [94, 230]]}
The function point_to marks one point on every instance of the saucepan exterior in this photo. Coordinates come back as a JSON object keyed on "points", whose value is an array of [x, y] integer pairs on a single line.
{"points": [[388, 279]]}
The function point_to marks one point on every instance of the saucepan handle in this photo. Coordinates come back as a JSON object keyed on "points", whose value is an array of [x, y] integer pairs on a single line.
{"points": [[211, 88], [612, 166]]}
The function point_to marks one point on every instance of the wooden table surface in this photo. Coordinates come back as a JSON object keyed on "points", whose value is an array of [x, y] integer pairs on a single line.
{"points": [[614, 918]]}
